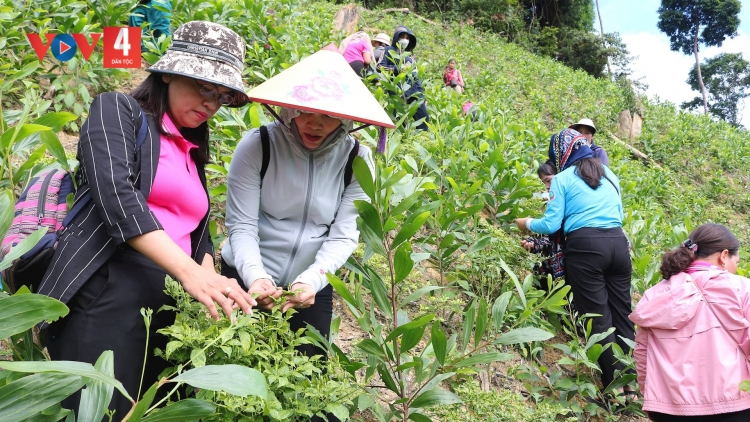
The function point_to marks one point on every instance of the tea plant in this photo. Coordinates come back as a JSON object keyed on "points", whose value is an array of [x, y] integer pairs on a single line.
{"points": [[299, 386], [413, 355]]}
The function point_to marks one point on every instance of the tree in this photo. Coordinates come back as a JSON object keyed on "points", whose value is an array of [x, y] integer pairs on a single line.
{"points": [[682, 21], [568, 14], [588, 51], [727, 80]]}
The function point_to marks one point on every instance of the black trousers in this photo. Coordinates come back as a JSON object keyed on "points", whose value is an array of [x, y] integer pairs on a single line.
{"points": [[741, 416], [318, 315], [598, 270], [359, 68], [105, 315]]}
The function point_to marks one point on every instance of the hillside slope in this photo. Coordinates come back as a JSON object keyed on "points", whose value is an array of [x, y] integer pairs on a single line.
{"points": [[703, 163]]}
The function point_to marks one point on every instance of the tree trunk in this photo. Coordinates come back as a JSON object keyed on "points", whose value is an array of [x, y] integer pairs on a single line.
{"points": [[601, 31], [698, 68]]}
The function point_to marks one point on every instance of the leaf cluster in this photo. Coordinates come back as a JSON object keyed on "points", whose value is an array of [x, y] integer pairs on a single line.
{"points": [[299, 386], [727, 81], [682, 20]]}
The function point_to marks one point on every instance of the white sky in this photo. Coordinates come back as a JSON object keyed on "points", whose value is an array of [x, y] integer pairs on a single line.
{"points": [[665, 71]]}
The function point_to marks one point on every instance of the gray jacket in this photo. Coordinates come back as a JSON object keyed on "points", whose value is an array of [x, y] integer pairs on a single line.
{"points": [[300, 224]]}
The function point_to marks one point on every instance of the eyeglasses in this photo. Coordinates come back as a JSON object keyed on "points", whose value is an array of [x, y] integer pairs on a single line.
{"points": [[211, 92]]}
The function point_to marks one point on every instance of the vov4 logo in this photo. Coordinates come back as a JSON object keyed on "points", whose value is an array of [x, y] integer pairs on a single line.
{"points": [[122, 46]]}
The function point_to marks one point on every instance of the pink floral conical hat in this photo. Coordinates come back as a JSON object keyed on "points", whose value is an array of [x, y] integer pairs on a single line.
{"points": [[323, 83]]}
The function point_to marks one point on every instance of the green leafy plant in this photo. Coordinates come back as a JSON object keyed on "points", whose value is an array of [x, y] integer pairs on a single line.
{"points": [[299, 386], [35, 388], [413, 355]]}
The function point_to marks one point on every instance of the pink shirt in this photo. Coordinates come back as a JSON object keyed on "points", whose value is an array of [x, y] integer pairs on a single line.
{"points": [[355, 50], [177, 199], [449, 75]]}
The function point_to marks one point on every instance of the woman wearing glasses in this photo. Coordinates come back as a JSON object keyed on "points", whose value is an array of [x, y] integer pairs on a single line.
{"points": [[149, 209]]}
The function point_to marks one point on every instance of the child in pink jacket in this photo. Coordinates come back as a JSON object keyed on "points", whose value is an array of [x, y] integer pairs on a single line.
{"points": [[452, 77], [690, 353]]}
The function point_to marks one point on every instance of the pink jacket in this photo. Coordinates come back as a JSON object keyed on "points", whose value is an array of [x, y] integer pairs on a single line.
{"points": [[686, 363]]}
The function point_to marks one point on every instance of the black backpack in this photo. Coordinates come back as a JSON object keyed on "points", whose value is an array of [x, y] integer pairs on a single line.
{"points": [[265, 142]]}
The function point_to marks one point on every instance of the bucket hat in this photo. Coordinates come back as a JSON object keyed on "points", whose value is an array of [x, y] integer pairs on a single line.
{"points": [[209, 52], [584, 122], [382, 38], [323, 83]]}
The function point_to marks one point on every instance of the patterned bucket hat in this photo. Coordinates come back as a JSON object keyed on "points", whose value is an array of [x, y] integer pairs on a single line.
{"points": [[209, 52]]}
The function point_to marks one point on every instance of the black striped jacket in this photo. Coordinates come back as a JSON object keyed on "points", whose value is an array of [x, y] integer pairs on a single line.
{"points": [[120, 180]]}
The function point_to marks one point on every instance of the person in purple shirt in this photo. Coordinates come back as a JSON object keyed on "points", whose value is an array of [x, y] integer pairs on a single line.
{"points": [[586, 128]]}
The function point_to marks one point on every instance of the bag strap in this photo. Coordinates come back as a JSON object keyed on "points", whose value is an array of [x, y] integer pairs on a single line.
{"points": [[717, 318], [265, 143], [349, 170], [612, 183]]}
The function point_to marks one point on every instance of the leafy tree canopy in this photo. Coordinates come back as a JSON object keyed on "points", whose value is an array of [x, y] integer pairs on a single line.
{"points": [[572, 14], [680, 19], [727, 80]]}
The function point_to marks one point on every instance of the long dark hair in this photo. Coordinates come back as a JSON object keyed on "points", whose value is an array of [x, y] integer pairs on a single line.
{"points": [[151, 94], [708, 239], [591, 171]]}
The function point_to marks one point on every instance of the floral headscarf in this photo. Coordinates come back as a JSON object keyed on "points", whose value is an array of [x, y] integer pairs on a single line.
{"points": [[567, 147]]}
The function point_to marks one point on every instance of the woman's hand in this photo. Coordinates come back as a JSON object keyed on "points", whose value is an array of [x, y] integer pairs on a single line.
{"points": [[521, 223], [304, 298], [199, 281], [208, 288], [527, 245], [266, 292]]}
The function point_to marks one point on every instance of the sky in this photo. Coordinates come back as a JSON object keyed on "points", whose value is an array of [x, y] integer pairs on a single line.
{"points": [[665, 71]]}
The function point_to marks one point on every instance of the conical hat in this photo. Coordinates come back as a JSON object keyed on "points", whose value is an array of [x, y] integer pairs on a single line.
{"points": [[323, 83]]}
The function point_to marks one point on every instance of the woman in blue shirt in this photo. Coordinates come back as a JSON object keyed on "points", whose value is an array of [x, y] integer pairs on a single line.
{"points": [[585, 202]]}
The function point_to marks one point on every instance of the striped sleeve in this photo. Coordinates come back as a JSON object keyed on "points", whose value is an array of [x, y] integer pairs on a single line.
{"points": [[107, 150]]}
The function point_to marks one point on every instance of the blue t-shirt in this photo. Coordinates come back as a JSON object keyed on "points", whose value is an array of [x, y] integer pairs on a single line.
{"points": [[580, 206]]}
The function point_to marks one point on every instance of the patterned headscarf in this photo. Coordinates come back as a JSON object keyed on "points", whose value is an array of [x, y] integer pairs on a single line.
{"points": [[567, 147]]}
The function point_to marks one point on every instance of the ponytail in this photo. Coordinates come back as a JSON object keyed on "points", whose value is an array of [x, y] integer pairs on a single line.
{"points": [[591, 171], [703, 242]]}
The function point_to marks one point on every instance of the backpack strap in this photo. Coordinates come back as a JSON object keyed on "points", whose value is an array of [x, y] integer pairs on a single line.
{"points": [[349, 170], [86, 197], [612, 183], [265, 143]]}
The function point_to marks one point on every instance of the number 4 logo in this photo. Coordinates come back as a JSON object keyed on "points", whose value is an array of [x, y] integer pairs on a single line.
{"points": [[122, 47]]}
